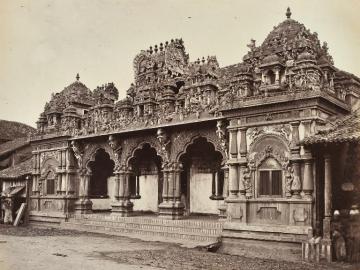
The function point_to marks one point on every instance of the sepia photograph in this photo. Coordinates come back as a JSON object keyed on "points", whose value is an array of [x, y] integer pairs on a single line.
{"points": [[179, 134]]}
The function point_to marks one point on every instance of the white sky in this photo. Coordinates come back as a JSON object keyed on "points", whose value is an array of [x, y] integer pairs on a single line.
{"points": [[43, 44]]}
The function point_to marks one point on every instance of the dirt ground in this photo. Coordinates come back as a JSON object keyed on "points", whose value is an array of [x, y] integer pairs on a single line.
{"points": [[31, 248]]}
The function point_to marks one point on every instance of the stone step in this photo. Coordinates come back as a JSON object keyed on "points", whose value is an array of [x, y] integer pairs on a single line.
{"points": [[138, 232], [186, 223]]}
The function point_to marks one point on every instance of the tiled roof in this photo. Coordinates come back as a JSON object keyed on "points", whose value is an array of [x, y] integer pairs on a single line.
{"points": [[13, 145], [17, 171], [346, 130]]}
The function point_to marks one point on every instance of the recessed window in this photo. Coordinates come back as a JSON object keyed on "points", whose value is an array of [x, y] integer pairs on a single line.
{"points": [[50, 183], [270, 183], [50, 186], [270, 178]]}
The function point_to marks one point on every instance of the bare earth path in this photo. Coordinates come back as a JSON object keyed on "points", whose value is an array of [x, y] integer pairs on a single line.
{"points": [[29, 248]]}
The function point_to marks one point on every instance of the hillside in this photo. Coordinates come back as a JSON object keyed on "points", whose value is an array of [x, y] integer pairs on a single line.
{"points": [[10, 130]]}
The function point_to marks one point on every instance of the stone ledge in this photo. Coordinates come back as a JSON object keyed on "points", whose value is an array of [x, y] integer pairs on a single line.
{"points": [[236, 226]]}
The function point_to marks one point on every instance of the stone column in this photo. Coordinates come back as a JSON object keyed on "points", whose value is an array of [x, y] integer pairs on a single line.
{"points": [[233, 165], [233, 143], [165, 184], [122, 206], [327, 242], [308, 183], [69, 174], [171, 185], [295, 159], [171, 207], [137, 195], [233, 181], [242, 161], [277, 76], [327, 195], [223, 206], [177, 192], [84, 205], [116, 186], [308, 180], [128, 205], [216, 182]]}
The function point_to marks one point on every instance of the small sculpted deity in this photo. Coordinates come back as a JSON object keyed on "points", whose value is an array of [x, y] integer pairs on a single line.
{"points": [[78, 153]]}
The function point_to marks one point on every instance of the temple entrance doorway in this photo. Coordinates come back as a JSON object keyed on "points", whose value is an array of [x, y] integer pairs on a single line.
{"points": [[146, 180], [202, 178], [101, 189]]}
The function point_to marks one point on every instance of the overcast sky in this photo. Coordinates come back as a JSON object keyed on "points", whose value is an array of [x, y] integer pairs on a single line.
{"points": [[43, 44]]}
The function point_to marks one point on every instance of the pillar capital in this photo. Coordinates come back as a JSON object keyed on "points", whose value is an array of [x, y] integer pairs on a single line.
{"points": [[295, 123]]}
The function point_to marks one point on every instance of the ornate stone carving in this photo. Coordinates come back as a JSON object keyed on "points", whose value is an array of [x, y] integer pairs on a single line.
{"points": [[289, 177], [246, 178], [170, 88], [165, 144], [115, 145], [78, 150], [283, 131], [221, 133], [257, 158], [185, 138], [296, 183]]}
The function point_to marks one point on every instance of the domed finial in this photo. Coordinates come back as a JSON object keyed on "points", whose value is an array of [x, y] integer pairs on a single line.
{"points": [[288, 13], [77, 77]]}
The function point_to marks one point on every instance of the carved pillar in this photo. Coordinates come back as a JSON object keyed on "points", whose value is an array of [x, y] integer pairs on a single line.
{"points": [[277, 76], [165, 184], [295, 159], [122, 206], [327, 242], [84, 205], [242, 161], [308, 180], [171, 207], [116, 186], [36, 174], [127, 203], [233, 181], [327, 195], [177, 192], [233, 165], [233, 143], [223, 206], [308, 183], [171, 185], [69, 190], [216, 182]]}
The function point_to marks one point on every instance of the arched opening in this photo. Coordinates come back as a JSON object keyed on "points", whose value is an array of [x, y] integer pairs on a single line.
{"points": [[101, 182], [270, 178], [202, 178], [50, 183], [146, 180], [270, 77]]}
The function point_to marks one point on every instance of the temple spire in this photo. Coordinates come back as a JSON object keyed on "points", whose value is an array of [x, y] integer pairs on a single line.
{"points": [[288, 13], [77, 77]]}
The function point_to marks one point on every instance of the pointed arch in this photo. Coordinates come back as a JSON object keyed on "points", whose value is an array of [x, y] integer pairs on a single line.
{"points": [[182, 148], [90, 152]]}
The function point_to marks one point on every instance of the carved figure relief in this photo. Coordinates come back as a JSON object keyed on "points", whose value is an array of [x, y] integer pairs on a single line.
{"points": [[164, 142], [78, 151], [221, 133], [115, 145]]}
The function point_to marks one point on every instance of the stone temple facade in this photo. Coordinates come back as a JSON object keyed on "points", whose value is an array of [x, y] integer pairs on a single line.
{"points": [[195, 138]]}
